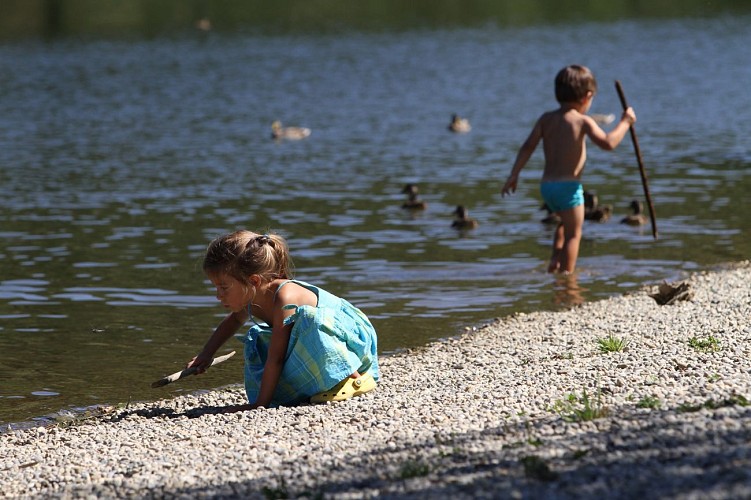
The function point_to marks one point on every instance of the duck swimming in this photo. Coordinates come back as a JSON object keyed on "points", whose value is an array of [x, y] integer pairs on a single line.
{"points": [[593, 210], [413, 201], [459, 125], [463, 220], [637, 218], [600, 213], [290, 133]]}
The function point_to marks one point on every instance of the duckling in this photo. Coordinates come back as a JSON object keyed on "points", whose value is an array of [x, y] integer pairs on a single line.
{"points": [[551, 218], [413, 202], [593, 210], [637, 218], [459, 125], [463, 220], [291, 133], [601, 213]]}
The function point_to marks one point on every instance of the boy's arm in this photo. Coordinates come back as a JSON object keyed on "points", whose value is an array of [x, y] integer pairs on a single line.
{"points": [[525, 153], [609, 141]]}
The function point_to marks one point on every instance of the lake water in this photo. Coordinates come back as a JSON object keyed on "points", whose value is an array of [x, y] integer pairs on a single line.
{"points": [[120, 160]]}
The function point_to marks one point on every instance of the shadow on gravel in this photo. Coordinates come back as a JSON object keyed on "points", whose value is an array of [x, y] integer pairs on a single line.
{"points": [[651, 455], [162, 412]]}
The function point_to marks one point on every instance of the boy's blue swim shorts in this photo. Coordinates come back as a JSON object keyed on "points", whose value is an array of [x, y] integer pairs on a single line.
{"points": [[562, 195]]}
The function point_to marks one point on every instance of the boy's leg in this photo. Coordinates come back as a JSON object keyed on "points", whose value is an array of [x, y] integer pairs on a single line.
{"points": [[572, 221], [555, 258]]}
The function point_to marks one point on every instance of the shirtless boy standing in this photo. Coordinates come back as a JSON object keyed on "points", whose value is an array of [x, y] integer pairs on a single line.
{"points": [[563, 133]]}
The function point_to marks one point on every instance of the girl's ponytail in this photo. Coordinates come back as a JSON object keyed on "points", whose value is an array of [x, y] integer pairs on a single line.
{"points": [[242, 254]]}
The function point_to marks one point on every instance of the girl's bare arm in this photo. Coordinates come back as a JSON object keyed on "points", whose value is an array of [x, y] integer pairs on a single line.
{"points": [[272, 370], [226, 329]]}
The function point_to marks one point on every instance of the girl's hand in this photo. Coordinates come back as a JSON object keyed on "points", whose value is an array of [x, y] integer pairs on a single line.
{"points": [[200, 362]]}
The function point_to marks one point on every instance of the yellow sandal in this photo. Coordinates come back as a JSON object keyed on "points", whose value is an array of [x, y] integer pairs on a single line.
{"points": [[347, 388]]}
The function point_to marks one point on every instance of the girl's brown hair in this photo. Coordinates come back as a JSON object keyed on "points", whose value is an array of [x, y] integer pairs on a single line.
{"points": [[244, 253], [573, 82]]}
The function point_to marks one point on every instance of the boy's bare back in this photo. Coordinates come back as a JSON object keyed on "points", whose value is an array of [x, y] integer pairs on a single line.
{"points": [[563, 132]]}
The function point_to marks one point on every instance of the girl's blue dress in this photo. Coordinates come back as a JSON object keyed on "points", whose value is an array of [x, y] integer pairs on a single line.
{"points": [[327, 344]]}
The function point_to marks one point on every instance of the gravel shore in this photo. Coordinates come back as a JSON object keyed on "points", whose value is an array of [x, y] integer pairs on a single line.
{"points": [[527, 407]]}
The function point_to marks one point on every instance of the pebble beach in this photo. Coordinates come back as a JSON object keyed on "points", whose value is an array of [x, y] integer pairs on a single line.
{"points": [[620, 398]]}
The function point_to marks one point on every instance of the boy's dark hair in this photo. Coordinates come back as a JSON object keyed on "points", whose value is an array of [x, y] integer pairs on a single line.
{"points": [[573, 82]]}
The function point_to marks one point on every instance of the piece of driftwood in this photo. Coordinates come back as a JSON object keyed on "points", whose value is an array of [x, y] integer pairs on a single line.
{"points": [[189, 371], [668, 293]]}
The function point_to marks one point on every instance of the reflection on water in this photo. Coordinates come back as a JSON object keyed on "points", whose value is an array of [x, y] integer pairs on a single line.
{"points": [[566, 290], [119, 161]]}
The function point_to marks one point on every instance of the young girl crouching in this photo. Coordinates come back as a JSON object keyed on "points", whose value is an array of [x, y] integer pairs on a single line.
{"points": [[305, 343]]}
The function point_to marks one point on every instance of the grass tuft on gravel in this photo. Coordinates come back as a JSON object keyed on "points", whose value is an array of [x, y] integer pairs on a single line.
{"points": [[580, 408], [611, 344]]}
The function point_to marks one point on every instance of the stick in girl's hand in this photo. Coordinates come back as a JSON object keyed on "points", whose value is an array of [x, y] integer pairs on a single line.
{"points": [[188, 371]]}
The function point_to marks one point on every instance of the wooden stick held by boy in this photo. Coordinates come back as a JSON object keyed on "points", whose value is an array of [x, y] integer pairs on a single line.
{"points": [[642, 171]]}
